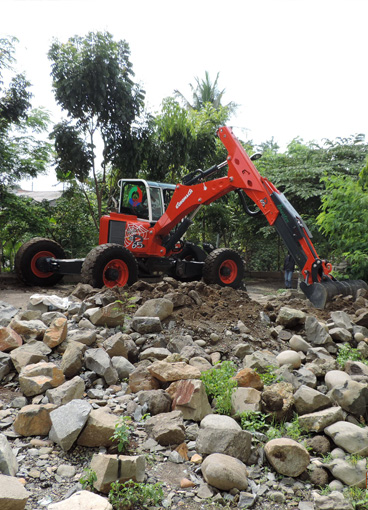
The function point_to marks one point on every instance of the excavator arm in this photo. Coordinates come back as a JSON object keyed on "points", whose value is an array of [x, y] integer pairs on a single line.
{"points": [[318, 284]]}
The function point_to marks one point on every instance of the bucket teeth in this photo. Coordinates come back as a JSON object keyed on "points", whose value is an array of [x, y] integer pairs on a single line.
{"points": [[320, 293]]}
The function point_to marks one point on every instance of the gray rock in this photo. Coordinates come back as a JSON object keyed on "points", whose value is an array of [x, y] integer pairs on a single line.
{"points": [[122, 366], [318, 421], [348, 473], [5, 364], [157, 401], [72, 389], [342, 320], [99, 361], [83, 336], [178, 342], [308, 400], [13, 495], [7, 312], [334, 501], [235, 443], [121, 344], [8, 461], [225, 472], [290, 317], [316, 333], [219, 422], [297, 343], [145, 325], [65, 432], [166, 428], [287, 456], [352, 397], [83, 500], [154, 353], [348, 436], [160, 307], [73, 359]]}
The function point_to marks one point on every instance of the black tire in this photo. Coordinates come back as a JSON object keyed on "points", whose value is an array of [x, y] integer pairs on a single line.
{"points": [[224, 267], [111, 265], [25, 262], [191, 251]]}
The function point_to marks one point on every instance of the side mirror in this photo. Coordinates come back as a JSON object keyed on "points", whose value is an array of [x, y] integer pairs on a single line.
{"points": [[256, 156]]}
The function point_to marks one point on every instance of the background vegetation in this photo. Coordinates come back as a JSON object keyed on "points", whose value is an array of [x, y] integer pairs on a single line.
{"points": [[107, 135]]}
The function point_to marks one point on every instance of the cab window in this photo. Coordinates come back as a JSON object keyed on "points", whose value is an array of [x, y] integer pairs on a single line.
{"points": [[156, 201], [134, 200]]}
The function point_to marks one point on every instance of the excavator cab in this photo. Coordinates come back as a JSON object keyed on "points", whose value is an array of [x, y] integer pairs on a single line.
{"points": [[145, 199]]}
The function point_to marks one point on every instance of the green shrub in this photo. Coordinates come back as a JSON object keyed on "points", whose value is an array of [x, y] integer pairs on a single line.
{"points": [[269, 376], [254, 421], [219, 385], [348, 353], [123, 430], [88, 479], [129, 495]]}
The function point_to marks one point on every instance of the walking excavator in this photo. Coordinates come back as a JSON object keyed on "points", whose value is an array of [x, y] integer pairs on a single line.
{"points": [[144, 238]]}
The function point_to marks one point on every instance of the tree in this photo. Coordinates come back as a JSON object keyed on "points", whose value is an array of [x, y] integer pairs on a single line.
{"points": [[344, 220], [23, 152], [93, 83], [204, 91]]}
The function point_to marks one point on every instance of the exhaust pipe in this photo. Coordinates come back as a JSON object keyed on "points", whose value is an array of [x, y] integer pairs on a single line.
{"points": [[320, 293]]}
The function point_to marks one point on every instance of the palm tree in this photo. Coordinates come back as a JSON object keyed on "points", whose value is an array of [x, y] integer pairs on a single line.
{"points": [[206, 92]]}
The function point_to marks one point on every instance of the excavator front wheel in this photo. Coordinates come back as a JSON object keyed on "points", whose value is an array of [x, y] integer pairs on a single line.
{"points": [[224, 267], [110, 265], [28, 262]]}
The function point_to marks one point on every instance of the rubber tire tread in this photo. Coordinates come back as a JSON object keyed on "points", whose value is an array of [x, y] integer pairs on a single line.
{"points": [[98, 257], [25, 254], [212, 266]]}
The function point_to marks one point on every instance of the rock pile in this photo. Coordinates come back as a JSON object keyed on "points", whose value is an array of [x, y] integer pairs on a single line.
{"points": [[71, 367]]}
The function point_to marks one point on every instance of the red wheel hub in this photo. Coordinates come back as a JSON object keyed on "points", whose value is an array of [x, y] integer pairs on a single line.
{"points": [[228, 271], [115, 273], [34, 268]]}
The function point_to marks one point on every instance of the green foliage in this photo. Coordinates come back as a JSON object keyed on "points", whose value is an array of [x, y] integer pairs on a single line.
{"points": [[219, 385], [254, 421], [23, 153], [358, 497], [268, 376], [291, 429], [132, 495], [344, 219], [88, 479], [348, 353], [93, 83], [122, 433]]}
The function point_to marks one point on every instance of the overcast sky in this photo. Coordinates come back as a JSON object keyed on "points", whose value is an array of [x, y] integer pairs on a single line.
{"points": [[295, 67]]}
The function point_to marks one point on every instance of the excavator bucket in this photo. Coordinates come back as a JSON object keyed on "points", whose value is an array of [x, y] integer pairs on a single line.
{"points": [[320, 293]]}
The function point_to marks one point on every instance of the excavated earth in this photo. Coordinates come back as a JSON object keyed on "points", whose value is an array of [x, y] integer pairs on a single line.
{"points": [[219, 310]]}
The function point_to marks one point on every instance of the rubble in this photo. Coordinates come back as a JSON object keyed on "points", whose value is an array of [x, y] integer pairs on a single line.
{"points": [[72, 366]]}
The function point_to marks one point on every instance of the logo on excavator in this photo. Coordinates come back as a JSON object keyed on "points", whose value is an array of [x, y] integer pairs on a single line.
{"points": [[264, 201], [181, 202]]}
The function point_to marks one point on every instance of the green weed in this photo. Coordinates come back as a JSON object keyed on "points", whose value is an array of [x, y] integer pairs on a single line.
{"points": [[88, 479], [254, 421], [123, 430], [129, 495], [269, 376], [219, 385]]}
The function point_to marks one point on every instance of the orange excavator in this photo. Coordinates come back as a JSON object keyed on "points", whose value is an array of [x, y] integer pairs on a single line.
{"points": [[144, 238]]}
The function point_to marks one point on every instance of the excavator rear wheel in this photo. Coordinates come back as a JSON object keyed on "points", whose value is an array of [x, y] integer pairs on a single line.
{"points": [[26, 259], [224, 267], [110, 265]]}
